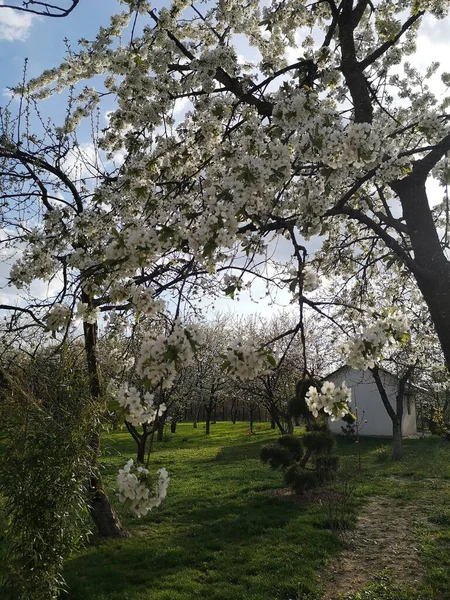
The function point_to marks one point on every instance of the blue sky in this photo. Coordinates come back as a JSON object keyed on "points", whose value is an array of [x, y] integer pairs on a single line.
{"points": [[41, 40]]}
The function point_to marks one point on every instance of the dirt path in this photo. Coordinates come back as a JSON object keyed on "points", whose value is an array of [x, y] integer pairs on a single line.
{"points": [[383, 539]]}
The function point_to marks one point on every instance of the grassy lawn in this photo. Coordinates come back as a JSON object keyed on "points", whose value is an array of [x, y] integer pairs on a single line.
{"points": [[221, 534], [224, 534]]}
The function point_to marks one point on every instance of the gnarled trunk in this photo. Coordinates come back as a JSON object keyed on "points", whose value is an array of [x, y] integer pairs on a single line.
{"points": [[102, 513]]}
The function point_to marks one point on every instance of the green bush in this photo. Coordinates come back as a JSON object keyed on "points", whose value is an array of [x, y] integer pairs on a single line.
{"points": [[47, 417], [383, 453], [277, 456], [303, 471], [299, 479], [326, 467], [319, 442], [293, 443]]}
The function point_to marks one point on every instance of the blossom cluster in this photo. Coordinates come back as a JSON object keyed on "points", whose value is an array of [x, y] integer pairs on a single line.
{"points": [[365, 349], [58, 317], [144, 302], [161, 356], [331, 399], [139, 408], [246, 361], [135, 488], [310, 280], [87, 313]]}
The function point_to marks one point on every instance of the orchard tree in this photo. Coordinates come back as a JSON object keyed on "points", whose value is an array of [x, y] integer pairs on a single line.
{"points": [[209, 382], [368, 334], [273, 389], [339, 141], [54, 222]]}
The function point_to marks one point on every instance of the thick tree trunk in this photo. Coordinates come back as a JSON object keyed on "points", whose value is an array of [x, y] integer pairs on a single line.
{"points": [[173, 427], [433, 268], [101, 511], [272, 423]]}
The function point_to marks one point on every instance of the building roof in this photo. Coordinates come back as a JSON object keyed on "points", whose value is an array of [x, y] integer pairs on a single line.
{"points": [[409, 384]]}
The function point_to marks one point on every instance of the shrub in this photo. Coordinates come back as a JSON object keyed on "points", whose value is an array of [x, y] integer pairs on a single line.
{"points": [[319, 442], [293, 443], [47, 415], [383, 453], [299, 479], [303, 470], [326, 467], [277, 456]]}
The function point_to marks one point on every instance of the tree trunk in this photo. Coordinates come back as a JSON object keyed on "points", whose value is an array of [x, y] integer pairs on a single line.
{"points": [[173, 427], [160, 431], [141, 449], [290, 427], [208, 422], [272, 423], [433, 269], [196, 417], [397, 415], [397, 450], [101, 511]]}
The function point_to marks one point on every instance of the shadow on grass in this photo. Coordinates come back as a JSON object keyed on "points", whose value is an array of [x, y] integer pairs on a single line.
{"points": [[228, 542], [250, 449]]}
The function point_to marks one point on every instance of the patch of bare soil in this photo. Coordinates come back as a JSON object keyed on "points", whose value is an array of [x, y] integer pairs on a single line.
{"points": [[383, 539]]}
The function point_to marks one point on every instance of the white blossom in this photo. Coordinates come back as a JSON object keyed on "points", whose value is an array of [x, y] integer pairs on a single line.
{"points": [[331, 399], [58, 317], [135, 488], [139, 407], [365, 349], [87, 313]]}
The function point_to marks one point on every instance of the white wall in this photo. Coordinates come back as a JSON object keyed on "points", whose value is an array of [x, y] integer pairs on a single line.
{"points": [[367, 404]]}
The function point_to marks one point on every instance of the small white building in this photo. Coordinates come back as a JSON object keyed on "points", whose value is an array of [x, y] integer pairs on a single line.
{"points": [[367, 405]]}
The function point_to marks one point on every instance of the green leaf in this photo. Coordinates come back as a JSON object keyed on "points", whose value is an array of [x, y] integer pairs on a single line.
{"points": [[230, 291]]}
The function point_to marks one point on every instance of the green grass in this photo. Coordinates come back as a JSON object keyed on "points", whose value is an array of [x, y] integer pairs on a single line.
{"points": [[221, 534]]}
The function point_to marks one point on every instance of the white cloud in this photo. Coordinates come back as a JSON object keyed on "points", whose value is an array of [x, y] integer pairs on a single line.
{"points": [[14, 25], [81, 162]]}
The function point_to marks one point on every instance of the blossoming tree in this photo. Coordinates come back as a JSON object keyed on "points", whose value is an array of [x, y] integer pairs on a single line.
{"points": [[339, 141]]}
